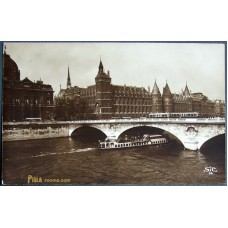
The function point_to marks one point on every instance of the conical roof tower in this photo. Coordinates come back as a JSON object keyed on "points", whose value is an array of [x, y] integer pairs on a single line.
{"points": [[156, 99], [167, 99], [186, 91], [155, 89], [166, 90]]}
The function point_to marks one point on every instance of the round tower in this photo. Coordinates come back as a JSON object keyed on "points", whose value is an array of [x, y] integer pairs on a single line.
{"points": [[156, 99], [167, 99]]}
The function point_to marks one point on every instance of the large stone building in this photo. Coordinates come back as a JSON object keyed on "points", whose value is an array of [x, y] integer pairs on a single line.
{"points": [[105, 100], [23, 98]]}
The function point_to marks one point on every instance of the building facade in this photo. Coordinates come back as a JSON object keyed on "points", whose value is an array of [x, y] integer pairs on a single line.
{"points": [[105, 100], [23, 98]]}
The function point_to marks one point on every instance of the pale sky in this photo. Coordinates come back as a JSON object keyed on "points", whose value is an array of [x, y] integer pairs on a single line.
{"points": [[201, 65]]}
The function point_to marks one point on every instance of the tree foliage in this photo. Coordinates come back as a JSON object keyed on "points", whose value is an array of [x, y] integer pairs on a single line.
{"points": [[73, 109]]}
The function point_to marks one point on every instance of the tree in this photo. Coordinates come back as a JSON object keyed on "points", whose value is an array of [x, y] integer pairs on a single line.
{"points": [[72, 109]]}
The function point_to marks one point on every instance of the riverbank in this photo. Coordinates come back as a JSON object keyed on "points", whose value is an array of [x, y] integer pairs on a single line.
{"points": [[15, 131]]}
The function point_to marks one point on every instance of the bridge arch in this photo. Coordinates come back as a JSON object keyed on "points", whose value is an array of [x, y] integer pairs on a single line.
{"points": [[158, 130], [86, 130], [205, 141]]}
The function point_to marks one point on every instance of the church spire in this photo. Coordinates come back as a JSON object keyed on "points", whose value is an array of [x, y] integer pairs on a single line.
{"points": [[68, 79]]}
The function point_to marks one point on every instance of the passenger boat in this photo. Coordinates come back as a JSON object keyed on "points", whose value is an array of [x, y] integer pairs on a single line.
{"points": [[145, 140]]}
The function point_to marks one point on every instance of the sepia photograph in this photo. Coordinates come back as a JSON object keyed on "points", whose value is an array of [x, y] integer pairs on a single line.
{"points": [[114, 113]]}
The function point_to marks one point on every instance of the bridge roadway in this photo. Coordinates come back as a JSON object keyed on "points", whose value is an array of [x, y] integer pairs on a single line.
{"points": [[142, 120], [192, 132]]}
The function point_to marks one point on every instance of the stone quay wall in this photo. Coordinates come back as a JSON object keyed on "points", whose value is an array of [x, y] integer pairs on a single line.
{"points": [[14, 131]]}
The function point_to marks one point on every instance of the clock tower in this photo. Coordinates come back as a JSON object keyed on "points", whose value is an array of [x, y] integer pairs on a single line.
{"points": [[103, 105]]}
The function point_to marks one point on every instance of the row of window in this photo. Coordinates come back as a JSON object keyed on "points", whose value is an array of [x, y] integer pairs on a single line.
{"points": [[132, 102], [29, 101], [132, 109], [130, 144], [133, 94]]}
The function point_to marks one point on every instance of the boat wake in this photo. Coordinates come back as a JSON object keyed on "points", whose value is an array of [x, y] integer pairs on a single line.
{"points": [[69, 152]]}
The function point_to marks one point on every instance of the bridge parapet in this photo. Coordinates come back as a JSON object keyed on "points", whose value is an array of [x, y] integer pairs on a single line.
{"points": [[152, 120]]}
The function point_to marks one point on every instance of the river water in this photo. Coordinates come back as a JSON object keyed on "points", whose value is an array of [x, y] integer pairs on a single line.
{"points": [[79, 162]]}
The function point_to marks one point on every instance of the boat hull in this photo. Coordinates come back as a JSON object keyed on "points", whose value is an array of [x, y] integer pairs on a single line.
{"points": [[122, 145]]}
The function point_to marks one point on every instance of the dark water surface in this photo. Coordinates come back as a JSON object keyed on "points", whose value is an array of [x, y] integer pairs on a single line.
{"points": [[81, 162]]}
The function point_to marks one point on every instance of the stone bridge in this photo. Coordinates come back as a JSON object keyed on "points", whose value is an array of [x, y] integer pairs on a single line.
{"points": [[192, 133]]}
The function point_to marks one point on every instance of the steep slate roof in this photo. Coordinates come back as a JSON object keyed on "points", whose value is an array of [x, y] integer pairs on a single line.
{"points": [[26, 80], [129, 89], [166, 90], [156, 89], [186, 91]]}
